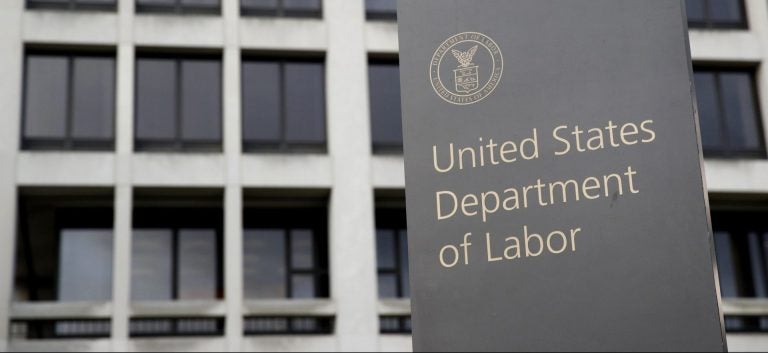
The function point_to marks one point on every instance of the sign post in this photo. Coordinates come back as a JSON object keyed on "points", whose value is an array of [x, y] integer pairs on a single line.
{"points": [[554, 177]]}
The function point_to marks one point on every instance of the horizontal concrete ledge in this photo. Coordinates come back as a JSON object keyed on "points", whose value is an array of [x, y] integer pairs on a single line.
{"points": [[289, 308], [283, 34], [381, 37], [745, 307], [388, 172], [287, 171], [737, 176], [47, 311], [70, 27], [179, 31], [395, 307], [180, 309], [100, 345], [728, 46], [65, 169], [179, 170]]}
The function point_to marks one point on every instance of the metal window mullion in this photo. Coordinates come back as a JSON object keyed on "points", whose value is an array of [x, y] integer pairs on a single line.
{"points": [[283, 107], [175, 264], [398, 269], [288, 264], [725, 138], [68, 139], [178, 139]]}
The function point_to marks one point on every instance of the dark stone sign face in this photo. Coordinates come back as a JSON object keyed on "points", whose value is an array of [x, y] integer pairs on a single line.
{"points": [[554, 177]]}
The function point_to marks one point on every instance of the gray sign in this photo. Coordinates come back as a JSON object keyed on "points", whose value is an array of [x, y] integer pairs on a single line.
{"points": [[554, 177]]}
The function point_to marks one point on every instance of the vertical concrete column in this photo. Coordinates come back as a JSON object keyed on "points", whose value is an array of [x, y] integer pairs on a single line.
{"points": [[11, 66], [757, 16], [352, 245], [233, 198], [121, 297]]}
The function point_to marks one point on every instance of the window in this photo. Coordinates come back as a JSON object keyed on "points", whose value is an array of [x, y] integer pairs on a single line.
{"points": [[64, 247], [69, 101], [268, 326], [179, 6], [176, 327], [287, 8], [284, 105], [729, 113], [178, 103], [177, 250], [741, 245], [716, 13], [285, 253], [392, 253], [381, 9], [386, 120], [60, 329], [109, 5]]}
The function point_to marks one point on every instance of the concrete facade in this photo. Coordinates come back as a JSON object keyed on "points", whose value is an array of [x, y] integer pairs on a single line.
{"points": [[350, 172]]}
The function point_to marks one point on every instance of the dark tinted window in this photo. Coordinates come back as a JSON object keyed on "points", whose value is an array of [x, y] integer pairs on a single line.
{"points": [[729, 114], [392, 253], [179, 6], [64, 247], [716, 13], [741, 246], [288, 8], [381, 9], [284, 105], [73, 4], [178, 103], [386, 121], [69, 101], [177, 254], [285, 254]]}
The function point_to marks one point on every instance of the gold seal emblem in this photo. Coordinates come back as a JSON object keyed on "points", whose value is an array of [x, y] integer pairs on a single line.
{"points": [[471, 73]]}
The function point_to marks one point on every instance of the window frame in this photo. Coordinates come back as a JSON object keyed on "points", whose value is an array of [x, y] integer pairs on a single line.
{"points": [[176, 219], [729, 152], [282, 146], [178, 143], [287, 220], [379, 15], [68, 142], [392, 219], [377, 147], [710, 23], [178, 8], [280, 11], [89, 210], [71, 5]]}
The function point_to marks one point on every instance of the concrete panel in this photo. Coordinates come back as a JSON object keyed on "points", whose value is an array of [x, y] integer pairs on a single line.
{"points": [[727, 46], [178, 170], [395, 343], [179, 31], [747, 342], [388, 172], [283, 34], [286, 171], [65, 27], [178, 345], [102, 345], [381, 37], [737, 176], [290, 344], [65, 169]]}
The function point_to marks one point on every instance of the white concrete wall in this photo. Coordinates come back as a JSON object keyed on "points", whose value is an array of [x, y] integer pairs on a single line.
{"points": [[348, 171]]}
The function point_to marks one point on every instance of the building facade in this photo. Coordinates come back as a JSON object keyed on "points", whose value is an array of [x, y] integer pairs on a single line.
{"points": [[228, 175]]}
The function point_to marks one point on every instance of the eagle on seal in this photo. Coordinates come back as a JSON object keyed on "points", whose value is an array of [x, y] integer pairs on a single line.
{"points": [[465, 57]]}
